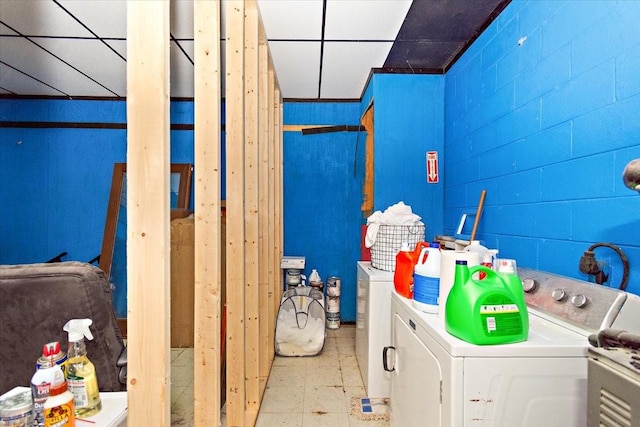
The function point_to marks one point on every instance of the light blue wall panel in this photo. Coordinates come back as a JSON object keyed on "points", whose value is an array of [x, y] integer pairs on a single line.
{"points": [[550, 143]]}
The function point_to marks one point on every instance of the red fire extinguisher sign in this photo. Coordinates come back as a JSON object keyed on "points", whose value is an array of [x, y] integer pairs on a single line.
{"points": [[432, 167]]}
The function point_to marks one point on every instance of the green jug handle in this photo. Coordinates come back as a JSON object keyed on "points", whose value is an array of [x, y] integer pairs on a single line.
{"points": [[489, 272]]}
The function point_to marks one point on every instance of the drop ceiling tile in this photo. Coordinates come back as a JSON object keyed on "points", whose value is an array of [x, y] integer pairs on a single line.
{"points": [[4, 30], [41, 18], [106, 18], [297, 65], [16, 83], [181, 71], [365, 19], [93, 58], [346, 67], [119, 46], [292, 19], [182, 19], [26, 57]]}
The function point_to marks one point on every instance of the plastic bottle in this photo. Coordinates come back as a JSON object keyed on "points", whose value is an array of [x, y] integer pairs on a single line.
{"points": [[59, 407], [81, 373], [43, 377], [475, 246], [509, 270], [485, 311], [403, 274], [426, 279], [315, 280]]}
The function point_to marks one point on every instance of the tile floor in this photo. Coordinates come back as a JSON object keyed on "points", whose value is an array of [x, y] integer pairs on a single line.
{"points": [[301, 391]]}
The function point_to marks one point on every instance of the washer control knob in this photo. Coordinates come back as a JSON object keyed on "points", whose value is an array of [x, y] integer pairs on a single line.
{"points": [[529, 285], [580, 301], [559, 295]]}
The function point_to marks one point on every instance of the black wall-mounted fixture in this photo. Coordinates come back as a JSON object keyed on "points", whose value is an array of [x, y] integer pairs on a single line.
{"points": [[589, 265]]}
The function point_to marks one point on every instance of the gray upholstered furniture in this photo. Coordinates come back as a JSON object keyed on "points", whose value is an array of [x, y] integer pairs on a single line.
{"points": [[36, 300]]}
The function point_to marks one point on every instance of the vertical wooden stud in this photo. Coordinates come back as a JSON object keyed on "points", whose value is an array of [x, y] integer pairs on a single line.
{"points": [[275, 276], [148, 278], [265, 294], [234, 99], [252, 265], [207, 185]]}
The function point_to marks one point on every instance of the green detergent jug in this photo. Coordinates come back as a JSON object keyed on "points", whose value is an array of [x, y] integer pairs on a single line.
{"points": [[487, 311]]}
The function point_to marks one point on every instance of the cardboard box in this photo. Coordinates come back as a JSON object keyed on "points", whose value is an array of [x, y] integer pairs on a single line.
{"points": [[182, 282], [183, 279]]}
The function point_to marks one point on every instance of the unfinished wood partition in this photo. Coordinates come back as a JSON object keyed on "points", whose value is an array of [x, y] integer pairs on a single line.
{"points": [[254, 229], [254, 213]]}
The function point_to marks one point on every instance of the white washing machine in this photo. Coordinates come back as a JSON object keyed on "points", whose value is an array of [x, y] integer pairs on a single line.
{"points": [[373, 326], [439, 380]]}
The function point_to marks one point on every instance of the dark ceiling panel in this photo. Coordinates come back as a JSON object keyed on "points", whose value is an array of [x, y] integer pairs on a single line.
{"points": [[436, 32]]}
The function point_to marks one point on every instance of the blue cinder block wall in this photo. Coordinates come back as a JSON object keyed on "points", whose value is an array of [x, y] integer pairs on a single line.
{"points": [[322, 193], [543, 111], [408, 121]]}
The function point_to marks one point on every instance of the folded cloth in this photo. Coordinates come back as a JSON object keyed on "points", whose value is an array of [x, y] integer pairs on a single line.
{"points": [[398, 214]]}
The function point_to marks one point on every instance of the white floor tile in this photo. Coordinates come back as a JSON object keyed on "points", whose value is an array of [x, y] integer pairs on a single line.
{"points": [[313, 391]]}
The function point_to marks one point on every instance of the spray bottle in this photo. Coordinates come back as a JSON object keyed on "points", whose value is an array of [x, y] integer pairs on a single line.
{"points": [[81, 373]]}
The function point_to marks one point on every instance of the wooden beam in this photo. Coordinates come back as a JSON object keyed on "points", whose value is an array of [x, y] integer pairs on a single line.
{"points": [[275, 277], [252, 264], [265, 294], [207, 206], [235, 159], [148, 234]]}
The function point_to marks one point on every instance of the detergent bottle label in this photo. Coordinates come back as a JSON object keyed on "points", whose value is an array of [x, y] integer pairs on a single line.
{"points": [[500, 316]]}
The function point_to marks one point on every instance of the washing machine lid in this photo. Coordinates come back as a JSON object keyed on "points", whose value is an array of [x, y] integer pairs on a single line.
{"points": [[375, 274], [545, 339]]}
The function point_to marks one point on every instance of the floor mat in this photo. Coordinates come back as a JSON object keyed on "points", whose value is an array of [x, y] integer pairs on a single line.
{"points": [[370, 408]]}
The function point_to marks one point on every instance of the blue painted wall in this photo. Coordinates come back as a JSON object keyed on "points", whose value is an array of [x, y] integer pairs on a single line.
{"points": [[546, 126], [408, 122], [323, 192], [543, 111]]}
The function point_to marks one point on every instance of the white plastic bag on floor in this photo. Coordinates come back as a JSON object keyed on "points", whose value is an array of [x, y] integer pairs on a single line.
{"points": [[300, 325]]}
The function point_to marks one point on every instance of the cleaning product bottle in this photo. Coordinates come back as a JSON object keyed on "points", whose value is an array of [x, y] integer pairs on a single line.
{"points": [[59, 407], [43, 377], [508, 268], [403, 274], [81, 373], [315, 280], [475, 246], [406, 260], [485, 311], [426, 279]]}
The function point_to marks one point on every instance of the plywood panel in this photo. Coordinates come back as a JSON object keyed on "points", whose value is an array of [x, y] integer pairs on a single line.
{"points": [[148, 381], [207, 205]]}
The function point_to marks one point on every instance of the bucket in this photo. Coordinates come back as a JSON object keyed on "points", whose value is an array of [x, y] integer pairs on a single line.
{"points": [[487, 311]]}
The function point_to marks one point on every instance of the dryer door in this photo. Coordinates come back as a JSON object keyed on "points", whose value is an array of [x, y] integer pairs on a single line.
{"points": [[416, 380]]}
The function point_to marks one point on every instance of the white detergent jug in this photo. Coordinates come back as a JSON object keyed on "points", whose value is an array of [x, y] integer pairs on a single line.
{"points": [[426, 279]]}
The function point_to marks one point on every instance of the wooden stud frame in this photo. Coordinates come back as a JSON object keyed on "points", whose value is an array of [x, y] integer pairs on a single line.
{"points": [[254, 238]]}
